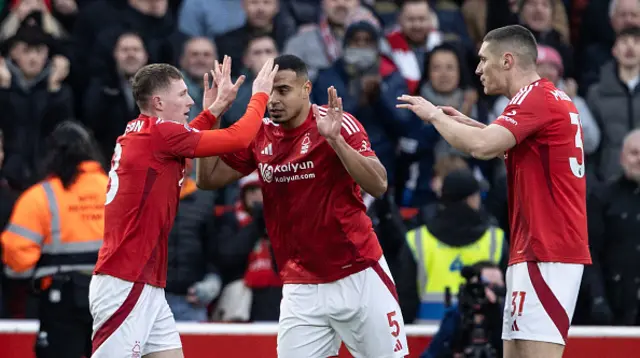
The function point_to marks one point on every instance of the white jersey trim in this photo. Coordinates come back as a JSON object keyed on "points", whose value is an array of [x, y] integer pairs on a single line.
{"points": [[349, 123]]}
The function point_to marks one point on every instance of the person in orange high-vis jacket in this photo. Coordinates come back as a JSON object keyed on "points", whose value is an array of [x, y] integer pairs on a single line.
{"points": [[55, 232]]}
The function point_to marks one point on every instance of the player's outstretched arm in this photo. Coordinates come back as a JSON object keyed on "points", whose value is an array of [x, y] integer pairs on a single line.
{"points": [[482, 143], [213, 173], [240, 134], [461, 118], [367, 171]]}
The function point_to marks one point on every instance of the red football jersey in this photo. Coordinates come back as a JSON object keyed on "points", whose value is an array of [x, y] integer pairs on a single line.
{"points": [[314, 213], [546, 177], [147, 171]]}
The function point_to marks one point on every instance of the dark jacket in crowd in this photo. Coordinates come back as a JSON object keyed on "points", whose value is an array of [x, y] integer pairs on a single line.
{"points": [[29, 113], [613, 281], [192, 249], [236, 241], [377, 118], [389, 228], [107, 110], [617, 111], [234, 42]]}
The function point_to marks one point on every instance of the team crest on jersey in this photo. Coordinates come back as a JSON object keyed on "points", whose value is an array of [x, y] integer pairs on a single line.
{"points": [[306, 142]]}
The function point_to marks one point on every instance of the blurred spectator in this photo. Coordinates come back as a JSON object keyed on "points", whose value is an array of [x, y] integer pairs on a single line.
{"points": [[451, 23], [246, 260], [35, 9], [550, 67], [508, 12], [365, 94], [65, 11], [8, 297], [210, 18], [475, 17], [302, 11], [259, 49], [155, 24], [460, 234], [263, 16], [406, 49], [192, 278], [54, 235], [7, 195], [444, 82], [101, 23], [615, 102], [108, 102], [613, 281], [198, 58], [320, 45], [603, 21], [538, 16], [33, 98]]}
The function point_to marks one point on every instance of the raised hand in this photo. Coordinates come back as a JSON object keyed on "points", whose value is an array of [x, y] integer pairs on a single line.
{"points": [[59, 71], [210, 85], [227, 90], [329, 125], [418, 105], [264, 79]]}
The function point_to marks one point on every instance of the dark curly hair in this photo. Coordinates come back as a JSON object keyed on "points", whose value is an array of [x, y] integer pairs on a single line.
{"points": [[68, 145]]}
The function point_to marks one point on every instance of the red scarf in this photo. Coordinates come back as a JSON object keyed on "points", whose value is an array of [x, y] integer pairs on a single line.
{"points": [[400, 56], [331, 46], [260, 272]]}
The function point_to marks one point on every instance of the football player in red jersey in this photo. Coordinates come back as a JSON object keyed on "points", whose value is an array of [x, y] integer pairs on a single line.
{"points": [[131, 316], [540, 135], [312, 163]]}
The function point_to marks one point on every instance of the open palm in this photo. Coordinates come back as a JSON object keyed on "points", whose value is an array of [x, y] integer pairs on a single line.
{"points": [[223, 88], [330, 123]]}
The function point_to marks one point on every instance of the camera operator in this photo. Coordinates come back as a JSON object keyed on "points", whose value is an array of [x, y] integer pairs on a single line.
{"points": [[459, 234], [473, 326]]}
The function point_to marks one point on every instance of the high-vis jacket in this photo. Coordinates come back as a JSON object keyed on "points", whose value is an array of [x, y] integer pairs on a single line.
{"points": [[53, 230], [439, 266]]}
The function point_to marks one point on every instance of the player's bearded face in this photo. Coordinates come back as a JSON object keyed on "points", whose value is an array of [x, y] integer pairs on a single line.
{"points": [[288, 97]]}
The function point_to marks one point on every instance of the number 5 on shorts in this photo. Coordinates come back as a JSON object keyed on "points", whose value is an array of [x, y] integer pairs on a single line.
{"points": [[393, 323]]}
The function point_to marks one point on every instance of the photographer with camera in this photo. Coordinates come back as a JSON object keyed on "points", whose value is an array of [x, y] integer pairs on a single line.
{"points": [[472, 327], [459, 234]]}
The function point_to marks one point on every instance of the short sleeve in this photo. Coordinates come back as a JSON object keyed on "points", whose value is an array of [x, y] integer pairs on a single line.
{"points": [[242, 160], [525, 115], [354, 133], [177, 139]]}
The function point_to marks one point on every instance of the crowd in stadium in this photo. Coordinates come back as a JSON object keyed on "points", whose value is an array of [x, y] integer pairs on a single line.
{"points": [[74, 59]]}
